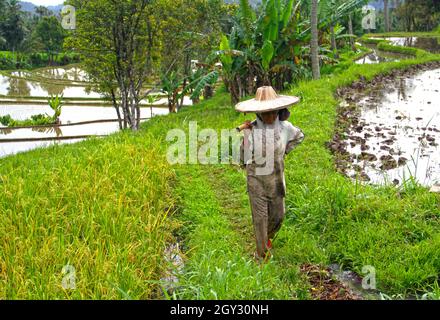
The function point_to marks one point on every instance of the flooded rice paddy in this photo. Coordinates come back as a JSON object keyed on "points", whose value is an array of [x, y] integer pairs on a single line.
{"points": [[84, 114], [430, 44], [377, 56], [67, 133], [22, 87], [389, 130]]}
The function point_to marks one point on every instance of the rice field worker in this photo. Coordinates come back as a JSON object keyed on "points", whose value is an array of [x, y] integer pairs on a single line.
{"points": [[267, 141]]}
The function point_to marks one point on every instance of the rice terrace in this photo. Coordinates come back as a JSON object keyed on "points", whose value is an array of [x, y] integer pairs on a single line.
{"points": [[305, 136]]}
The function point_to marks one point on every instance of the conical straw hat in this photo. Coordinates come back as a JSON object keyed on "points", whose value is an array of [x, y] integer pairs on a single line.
{"points": [[266, 100]]}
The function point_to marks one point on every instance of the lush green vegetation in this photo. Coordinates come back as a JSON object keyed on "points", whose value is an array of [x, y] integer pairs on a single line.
{"points": [[84, 217], [398, 49], [35, 120], [110, 207]]}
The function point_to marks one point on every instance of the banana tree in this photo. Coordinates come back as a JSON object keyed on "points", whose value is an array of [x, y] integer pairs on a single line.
{"points": [[333, 11], [56, 104], [261, 50]]}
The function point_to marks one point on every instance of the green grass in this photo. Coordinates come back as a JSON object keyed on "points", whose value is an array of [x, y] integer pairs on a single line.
{"points": [[102, 206]]}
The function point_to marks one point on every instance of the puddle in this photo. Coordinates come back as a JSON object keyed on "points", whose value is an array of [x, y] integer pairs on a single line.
{"points": [[174, 258], [354, 282], [378, 56], [392, 128], [431, 44]]}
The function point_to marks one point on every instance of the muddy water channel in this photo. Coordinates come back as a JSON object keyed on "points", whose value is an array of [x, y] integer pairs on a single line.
{"points": [[389, 129]]}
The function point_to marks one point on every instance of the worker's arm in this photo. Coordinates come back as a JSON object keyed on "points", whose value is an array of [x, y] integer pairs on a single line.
{"points": [[295, 140]]}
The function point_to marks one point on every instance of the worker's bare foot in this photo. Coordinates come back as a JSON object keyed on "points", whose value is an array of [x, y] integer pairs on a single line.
{"points": [[263, 258]]}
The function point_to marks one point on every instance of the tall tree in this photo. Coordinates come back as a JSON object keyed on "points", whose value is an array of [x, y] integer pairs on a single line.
{"points": [[314, 45], [51, 34], [12, 25], [386, 15], [350, 31], [2, 17], [118, 42], [42, 11]]}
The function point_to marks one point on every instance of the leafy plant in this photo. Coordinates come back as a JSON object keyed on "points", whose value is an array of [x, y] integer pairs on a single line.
{"points": [[56, 103]]}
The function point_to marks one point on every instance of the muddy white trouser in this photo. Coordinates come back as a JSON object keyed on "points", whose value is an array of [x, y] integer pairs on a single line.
{"points": [[268, 215]]}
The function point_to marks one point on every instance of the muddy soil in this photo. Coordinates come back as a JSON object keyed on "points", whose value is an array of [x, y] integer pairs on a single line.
{"points": [[325, 285]]}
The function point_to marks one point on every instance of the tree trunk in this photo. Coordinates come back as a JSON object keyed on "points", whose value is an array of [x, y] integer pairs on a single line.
{"points": [[386, 16], [208, 92], [314, 45], [333, 36], [350, 31], [116, 106]]}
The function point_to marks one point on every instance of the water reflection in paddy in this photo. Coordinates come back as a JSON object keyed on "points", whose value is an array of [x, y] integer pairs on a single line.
{"points": [[69, 73], [21, 87], [431, 44], [70, 114], [17, 147]]}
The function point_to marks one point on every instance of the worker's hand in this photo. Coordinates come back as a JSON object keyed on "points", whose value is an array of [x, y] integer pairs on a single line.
{"points": [[245, 126], [248, 124]]}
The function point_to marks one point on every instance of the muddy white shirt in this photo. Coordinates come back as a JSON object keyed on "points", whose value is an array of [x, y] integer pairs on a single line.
{"points": [[265, 147]]}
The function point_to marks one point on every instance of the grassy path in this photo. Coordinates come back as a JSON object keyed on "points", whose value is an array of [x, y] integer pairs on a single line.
{"points": [[329, 220], [217, 223], [229, 184]]}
